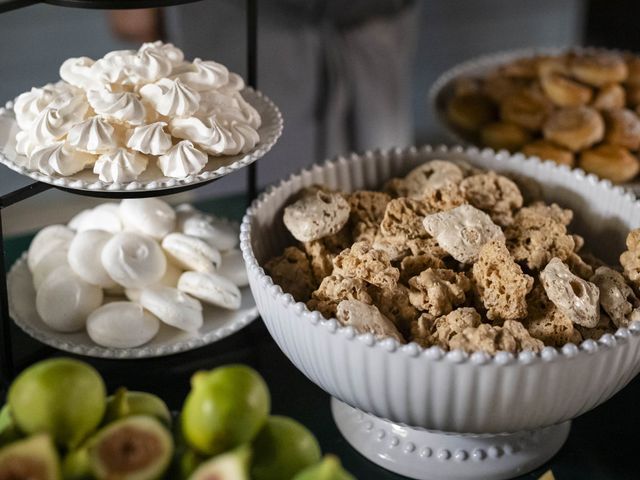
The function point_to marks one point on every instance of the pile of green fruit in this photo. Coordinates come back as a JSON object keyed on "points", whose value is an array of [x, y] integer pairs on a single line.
{"points": [[58, 423]]}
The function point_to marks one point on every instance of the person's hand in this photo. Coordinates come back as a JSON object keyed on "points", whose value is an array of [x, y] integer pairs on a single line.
{"points": [[143, 25]]}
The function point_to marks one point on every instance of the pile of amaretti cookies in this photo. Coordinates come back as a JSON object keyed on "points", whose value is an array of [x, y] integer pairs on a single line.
{"points": [[455, 257]]}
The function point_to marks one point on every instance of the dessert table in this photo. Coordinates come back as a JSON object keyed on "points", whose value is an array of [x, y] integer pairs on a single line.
{"points": [[601, 444]]}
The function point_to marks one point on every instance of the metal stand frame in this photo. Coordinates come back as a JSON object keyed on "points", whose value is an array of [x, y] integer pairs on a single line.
{"points": [[8, 368]]}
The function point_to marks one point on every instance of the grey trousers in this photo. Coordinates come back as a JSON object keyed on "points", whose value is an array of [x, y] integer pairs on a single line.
{"points": [[340, 88]]}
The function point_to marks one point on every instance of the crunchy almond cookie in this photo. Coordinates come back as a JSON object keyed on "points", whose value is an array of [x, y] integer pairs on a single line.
{"points": [[316, 214], [485, 338], [333, 290], [443, 198], [322, 252], [292, 272], [462, 231], [578, 242], [605, 325], [630, 259], [432, 175], [578, 266], [403, 219], [494, 194], [428, 246], [428, 330], [547, 323], [524, 340], [395, 305], [394, 247], [534, 238], [396, 188], [500, 283], [367, 212], [415, 264], [576, 298], [562, 215], [437, 291], [366, 319], [363, 262], [616, 297]]}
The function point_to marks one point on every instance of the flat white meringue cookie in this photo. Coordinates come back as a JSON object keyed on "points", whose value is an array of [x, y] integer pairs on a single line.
{"points": [[169, 50], [191, 253], [150, 139], [233, 268], [211, 288], [171, 97], [202, 75], [94, 135], [150, 216], [60, 158], [182, 160], [122, 325], [169, 279], [119, 106], [173, 307], [49, 239], [51, 261], [85, 257], [219, 234], [64, 300], [105, 216], [78, 72], [133, 260], [120, 166]]}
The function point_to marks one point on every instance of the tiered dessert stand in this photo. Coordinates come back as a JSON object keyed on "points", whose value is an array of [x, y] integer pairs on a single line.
{"points": [[8, 364]]}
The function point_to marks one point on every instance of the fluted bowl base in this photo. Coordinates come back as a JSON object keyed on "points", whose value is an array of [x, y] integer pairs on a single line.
{"points": [[425, 455]]}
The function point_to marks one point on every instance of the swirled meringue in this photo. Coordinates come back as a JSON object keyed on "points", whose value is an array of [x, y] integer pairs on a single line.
{"points": [[130, 67], [235, 84], [29, 104], [182, 160], [24, 143], [216, 134], [59, 158], [170, 51], [120, 106], [94, 135], [171, 97], [78, 72], [50, 125], [230, 105], [202, 75], [120, 166], [150, 139]]}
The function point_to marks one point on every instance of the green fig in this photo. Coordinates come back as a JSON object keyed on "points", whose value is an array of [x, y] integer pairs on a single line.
{"points": [[132, 448], [61, 396], [185, 462], [8, 430], [76, 465], [125, 403], [226, 408], [233, 465], [329, 469], [34, 458], [282, 449]]}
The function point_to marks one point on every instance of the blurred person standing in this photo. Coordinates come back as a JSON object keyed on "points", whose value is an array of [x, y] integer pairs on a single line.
{"points": [[341, 72]]}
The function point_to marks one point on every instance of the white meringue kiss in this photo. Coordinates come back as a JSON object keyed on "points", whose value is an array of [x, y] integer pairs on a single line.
{"points": [[150, 216], [105, 216], [216, 134], [171, 97], [202, 75], [133, 260], [170, 51], [182, 160], [120, 106], [59, 158], [85, 260], [120, 166], [173, 307], [150, 139], [64, 300], [122, 325], [95, 135], [78, 72]]}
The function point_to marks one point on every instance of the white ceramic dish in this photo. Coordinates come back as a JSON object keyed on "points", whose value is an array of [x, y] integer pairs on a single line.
{"points": [[503, 415], [218, 324], [442, 89], [151, 179]]}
